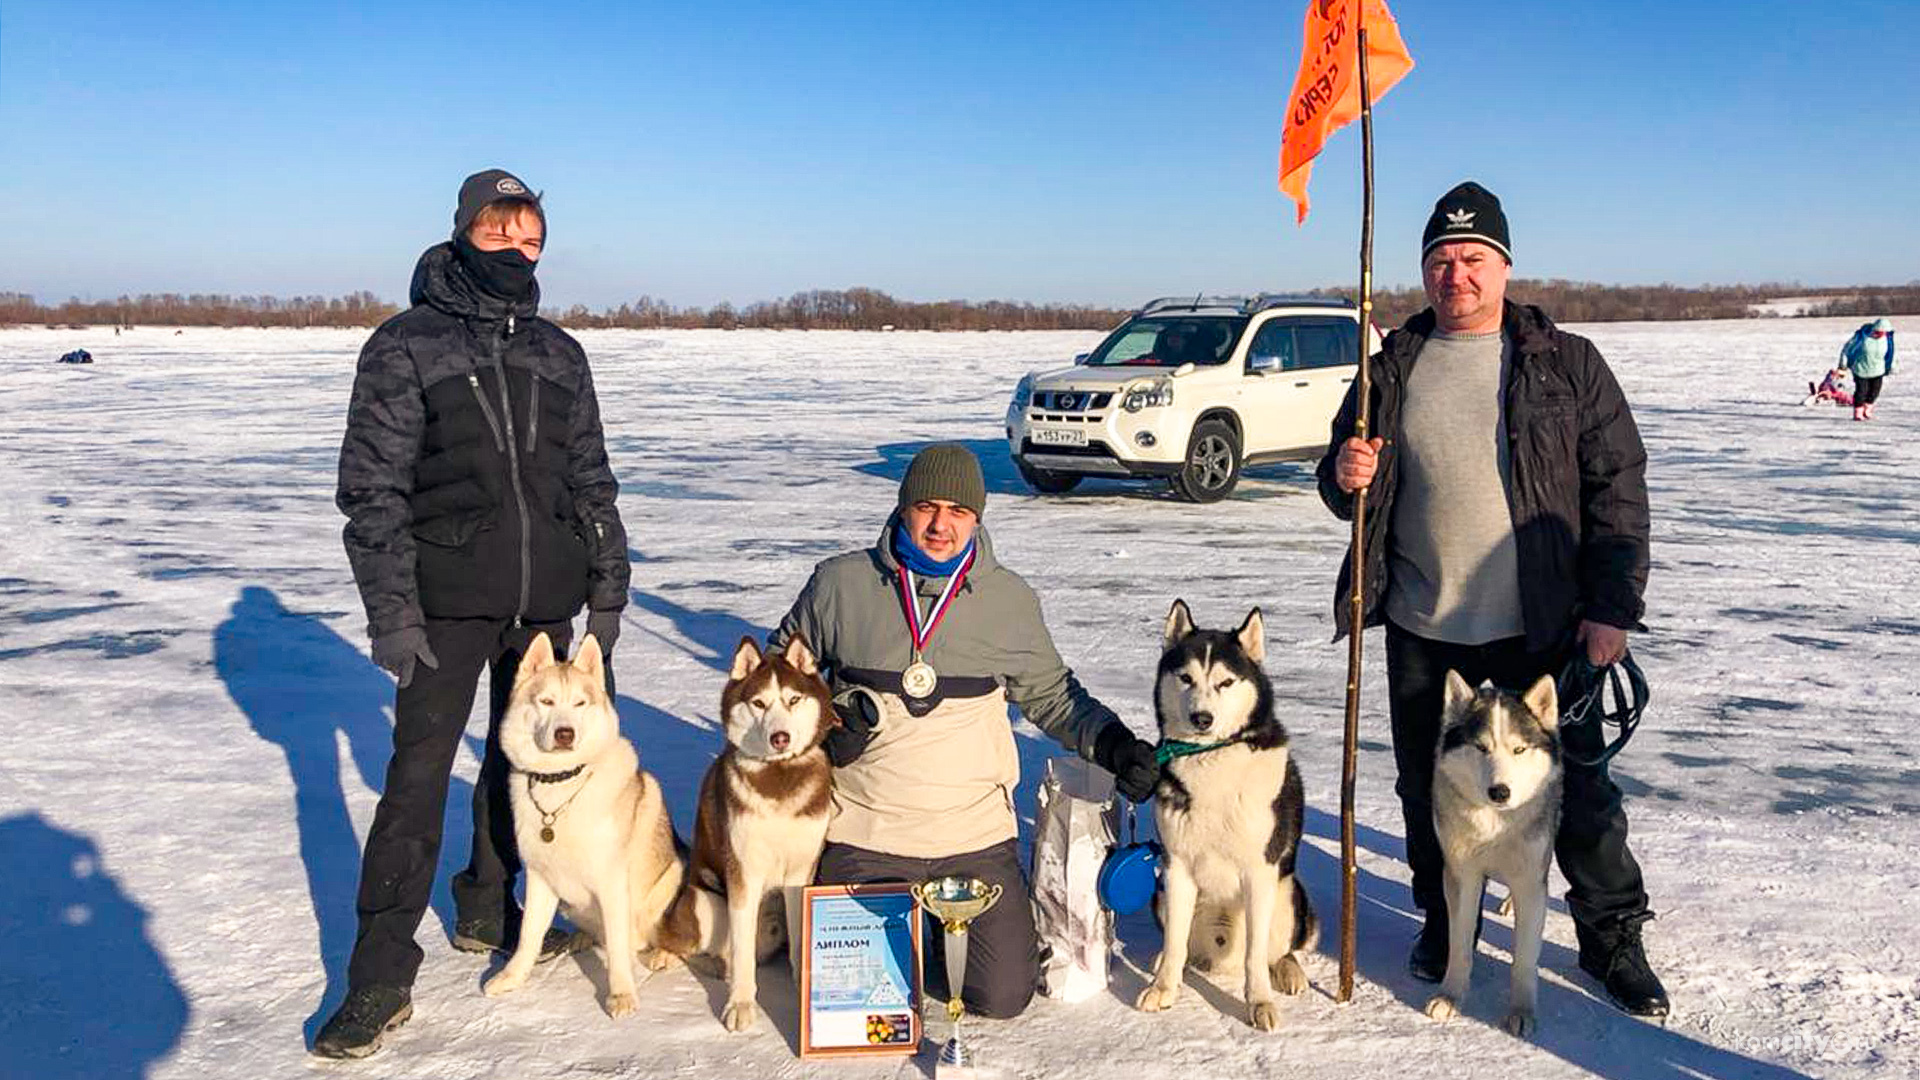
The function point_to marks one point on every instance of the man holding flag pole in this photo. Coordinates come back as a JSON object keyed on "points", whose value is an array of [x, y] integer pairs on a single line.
{"points": [[1511, 484]]}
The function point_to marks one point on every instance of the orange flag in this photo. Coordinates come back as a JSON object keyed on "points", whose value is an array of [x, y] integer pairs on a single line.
{"points": [[1326, 93]]}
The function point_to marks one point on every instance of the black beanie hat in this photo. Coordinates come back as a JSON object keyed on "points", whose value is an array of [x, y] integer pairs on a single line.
{"points": [[948, 472], [491, 186], [1468, 212]]}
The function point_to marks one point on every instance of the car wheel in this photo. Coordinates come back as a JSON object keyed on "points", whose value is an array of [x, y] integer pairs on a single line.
{"points": [[1045, 481], [1213, 463]]}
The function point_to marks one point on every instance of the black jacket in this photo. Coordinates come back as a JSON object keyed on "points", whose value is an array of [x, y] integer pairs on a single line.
{"points": [[1577, 490], [474, 472]]}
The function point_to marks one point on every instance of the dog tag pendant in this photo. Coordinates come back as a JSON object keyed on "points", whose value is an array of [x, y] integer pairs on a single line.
{"points": [[919, 680], [546, 834]]}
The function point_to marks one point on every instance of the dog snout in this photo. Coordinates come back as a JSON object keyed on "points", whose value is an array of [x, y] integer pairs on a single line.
{"points": [[1500, 793], [563, 738], [1201, 721], [779, 740]]}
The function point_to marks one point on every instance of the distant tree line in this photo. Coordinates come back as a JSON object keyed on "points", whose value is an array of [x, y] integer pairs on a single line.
{"points": [[871, 309], [197, 309], [846, 309], [1582, 301]]}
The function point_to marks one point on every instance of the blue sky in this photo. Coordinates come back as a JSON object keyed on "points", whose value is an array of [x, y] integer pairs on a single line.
{"points": [[1096, 152]]}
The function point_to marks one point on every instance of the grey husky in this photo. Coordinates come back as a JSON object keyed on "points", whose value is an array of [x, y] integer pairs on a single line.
{"points": [[1230, 811], [1496, 808]]}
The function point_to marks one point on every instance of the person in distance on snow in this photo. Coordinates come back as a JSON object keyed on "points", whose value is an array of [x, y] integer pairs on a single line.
{"points": [[1869, 355], [1508, 484], [925, 637], [480, 511]]}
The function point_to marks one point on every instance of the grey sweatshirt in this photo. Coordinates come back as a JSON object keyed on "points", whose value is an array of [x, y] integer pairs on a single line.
{"points": [[1454, 571]]}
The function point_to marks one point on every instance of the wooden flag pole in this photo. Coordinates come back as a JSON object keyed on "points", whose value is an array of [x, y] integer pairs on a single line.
{"points": [[1363, 394]]}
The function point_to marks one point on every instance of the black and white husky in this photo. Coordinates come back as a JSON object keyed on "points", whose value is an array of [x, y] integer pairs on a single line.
{"points": [[1496, 808], [1230, 810]]}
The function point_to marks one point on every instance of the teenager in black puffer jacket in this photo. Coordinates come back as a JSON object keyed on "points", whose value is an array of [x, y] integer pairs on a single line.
{"points": [[480, 511]]}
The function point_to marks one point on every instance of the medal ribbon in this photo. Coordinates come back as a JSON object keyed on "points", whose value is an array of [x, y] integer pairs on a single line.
{"points": [[910, 603]]}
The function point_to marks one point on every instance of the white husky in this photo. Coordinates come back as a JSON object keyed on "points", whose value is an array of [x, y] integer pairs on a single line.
{"points": [[1230, 811], [1496, 808], [591, 826], [761, 823]]}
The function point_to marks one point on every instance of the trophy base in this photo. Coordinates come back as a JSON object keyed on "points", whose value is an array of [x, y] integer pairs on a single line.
{"points": [[944, 1071], [956, 1063]]}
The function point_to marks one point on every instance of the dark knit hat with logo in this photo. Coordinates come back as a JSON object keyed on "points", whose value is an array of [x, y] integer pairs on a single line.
{"points": [[483, 188], [948, 472], [1468, 212]]}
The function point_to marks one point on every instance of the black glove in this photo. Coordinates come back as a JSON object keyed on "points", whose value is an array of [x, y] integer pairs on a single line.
{"points": [[400, 650], [1130, 760], [605, 628], [859, 712]]}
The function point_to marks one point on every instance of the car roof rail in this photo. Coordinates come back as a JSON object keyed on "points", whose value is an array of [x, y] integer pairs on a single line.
{"points": [[1266, 301], [1192, 303]]}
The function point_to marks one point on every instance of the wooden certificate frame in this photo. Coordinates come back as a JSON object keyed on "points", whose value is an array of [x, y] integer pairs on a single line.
{"points": [[866, 966]]}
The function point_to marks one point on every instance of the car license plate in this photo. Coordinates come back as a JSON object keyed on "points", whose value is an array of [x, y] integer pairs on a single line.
{"points": [[1059, 437]]}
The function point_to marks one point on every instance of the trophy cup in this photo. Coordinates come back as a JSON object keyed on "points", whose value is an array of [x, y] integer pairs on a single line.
{"points": [[955, 901]]}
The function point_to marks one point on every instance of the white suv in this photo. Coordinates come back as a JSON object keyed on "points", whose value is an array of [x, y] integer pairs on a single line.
{"points": [[1189, 390]]}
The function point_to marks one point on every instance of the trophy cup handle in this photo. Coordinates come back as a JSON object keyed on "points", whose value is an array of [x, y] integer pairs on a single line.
{"points": [[993, 894]]}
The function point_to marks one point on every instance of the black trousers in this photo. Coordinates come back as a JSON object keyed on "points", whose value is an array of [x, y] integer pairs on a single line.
{"points": [[1003, 948], [403, 846], [1604, 881], [1866, 391]]}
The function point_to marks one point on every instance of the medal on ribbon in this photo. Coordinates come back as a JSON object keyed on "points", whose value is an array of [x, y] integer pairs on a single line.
{"points": [[919, 680]]}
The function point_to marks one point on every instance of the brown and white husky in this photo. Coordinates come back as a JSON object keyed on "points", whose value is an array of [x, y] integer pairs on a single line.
{"points": [[762, 820]]}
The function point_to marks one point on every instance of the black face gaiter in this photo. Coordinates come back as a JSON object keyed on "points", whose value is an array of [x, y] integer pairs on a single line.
{"points": [[505, 274]]}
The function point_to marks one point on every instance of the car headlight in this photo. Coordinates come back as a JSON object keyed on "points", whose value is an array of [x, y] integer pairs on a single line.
{"points": [[1022, 394], [1148, 397]]}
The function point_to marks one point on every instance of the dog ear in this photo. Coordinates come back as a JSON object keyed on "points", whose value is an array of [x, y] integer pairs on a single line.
{"points": [[746, 659], [1179, 624], [800, 655], [1543, 700], [539, 655], [1458, 696], [587, 660], [1253, 636]]}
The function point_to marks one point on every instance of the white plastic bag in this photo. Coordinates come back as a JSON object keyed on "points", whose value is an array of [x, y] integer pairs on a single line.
{"points": [[1074, 830]]}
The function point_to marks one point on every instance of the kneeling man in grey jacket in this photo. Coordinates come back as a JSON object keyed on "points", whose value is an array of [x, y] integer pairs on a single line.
{"points": [[925, 638]]}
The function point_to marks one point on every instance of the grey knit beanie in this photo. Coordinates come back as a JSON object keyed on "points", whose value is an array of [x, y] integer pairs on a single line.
{"points": [[948, 472]]}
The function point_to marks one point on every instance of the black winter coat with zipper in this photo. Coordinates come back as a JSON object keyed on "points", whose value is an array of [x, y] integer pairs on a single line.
{"points": [[474, 471], [1577, 490]]}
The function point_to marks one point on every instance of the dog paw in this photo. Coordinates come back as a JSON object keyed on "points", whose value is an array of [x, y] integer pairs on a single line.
{"points": [[659, 960], [506, 981], [1520, 1023], [738, 1015], [1289, 977], [1263, 1015], [619, 1005], [1157, 997], [1442, 1007]]}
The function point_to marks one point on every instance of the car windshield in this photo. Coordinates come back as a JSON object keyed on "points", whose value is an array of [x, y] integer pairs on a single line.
{"points": [[1169, 341]]}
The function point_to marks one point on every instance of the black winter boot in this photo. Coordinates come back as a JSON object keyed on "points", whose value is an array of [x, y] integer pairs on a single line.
{"points": [[1428, 960], [357, 1026], [1617, 958], [503, 935]]}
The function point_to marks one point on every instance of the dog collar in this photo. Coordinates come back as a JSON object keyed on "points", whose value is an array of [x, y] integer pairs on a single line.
{"points": [[553, 777], [1168, 749]]}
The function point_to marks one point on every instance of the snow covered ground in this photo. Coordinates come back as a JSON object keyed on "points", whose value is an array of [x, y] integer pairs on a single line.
{"points": [[195, 738]]}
